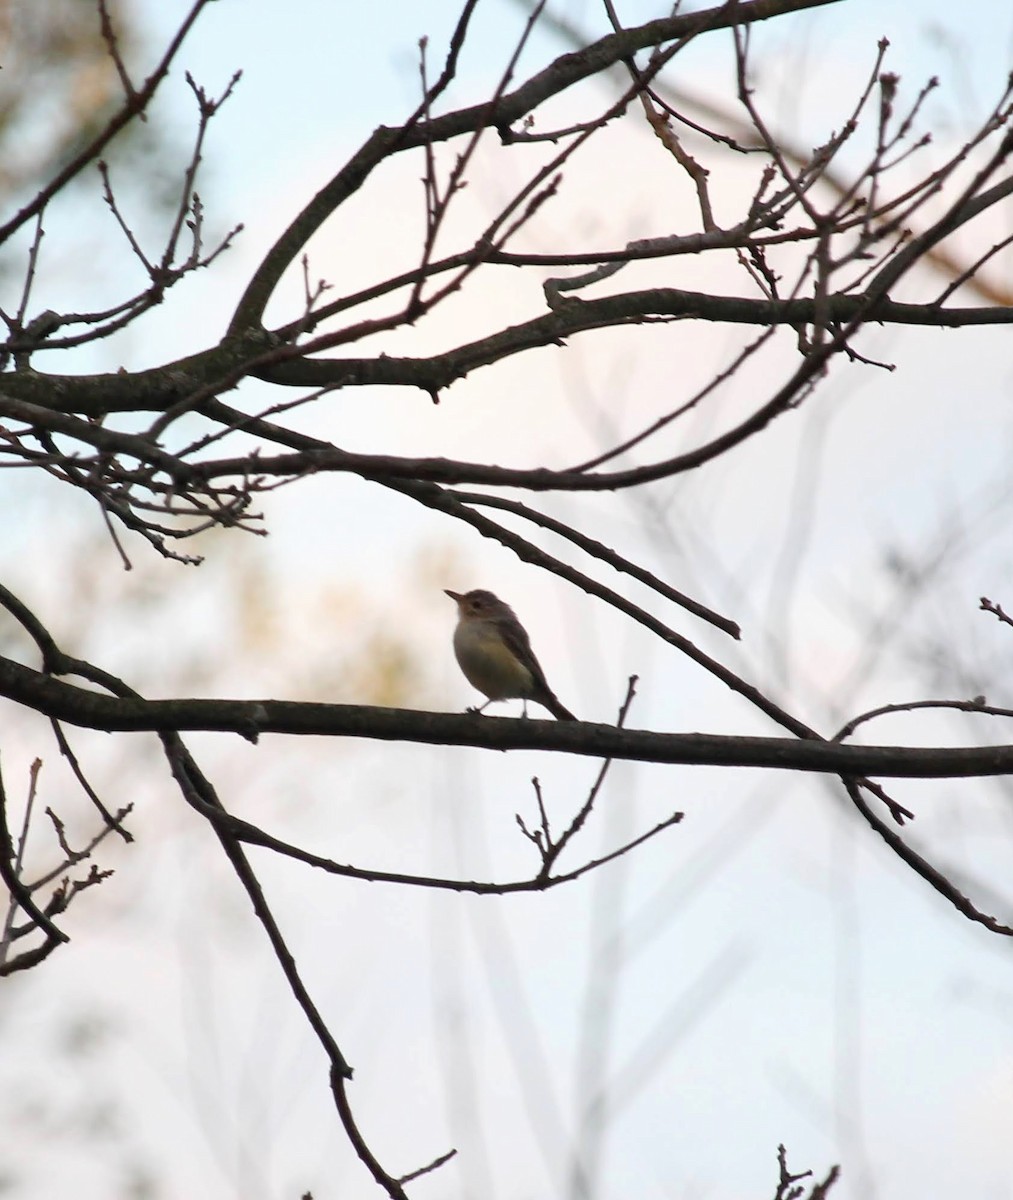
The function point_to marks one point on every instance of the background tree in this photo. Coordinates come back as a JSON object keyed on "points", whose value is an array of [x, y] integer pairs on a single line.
{"points": [[689, 482]]}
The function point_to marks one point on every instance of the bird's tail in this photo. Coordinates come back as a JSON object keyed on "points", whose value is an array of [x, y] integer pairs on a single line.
{"points": [[548, 700]]}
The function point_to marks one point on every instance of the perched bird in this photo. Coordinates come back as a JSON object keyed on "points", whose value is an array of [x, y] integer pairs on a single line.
{"points": [[494, 652]]}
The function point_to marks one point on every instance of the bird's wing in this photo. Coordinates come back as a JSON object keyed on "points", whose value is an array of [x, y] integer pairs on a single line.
{"points": [[516, 638]]}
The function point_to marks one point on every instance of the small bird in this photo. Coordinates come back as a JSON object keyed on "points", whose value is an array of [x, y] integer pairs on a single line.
{"points": [[494, 652]]}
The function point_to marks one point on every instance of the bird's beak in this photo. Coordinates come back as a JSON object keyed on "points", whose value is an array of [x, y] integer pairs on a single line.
{"points": [[456, 596]]}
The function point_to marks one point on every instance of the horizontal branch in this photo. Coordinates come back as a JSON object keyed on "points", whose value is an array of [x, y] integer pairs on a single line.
{"points": [[157, 388], [573, 315], [154, 389], [251, 718]]}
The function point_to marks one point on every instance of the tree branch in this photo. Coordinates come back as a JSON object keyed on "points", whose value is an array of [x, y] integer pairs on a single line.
{"points": [[253, 718]]}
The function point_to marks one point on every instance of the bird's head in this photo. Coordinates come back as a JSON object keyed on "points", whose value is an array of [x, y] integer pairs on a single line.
{"points": [[478, 603]]}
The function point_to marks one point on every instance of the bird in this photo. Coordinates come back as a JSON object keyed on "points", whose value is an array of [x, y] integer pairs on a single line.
{"points": [[494, 652]]}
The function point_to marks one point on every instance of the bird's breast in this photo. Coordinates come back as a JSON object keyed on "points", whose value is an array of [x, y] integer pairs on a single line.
{"points": [[488, 663]]}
